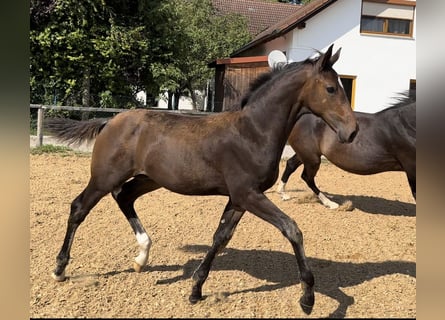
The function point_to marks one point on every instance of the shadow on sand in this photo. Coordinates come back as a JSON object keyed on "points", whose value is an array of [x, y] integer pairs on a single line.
{"points": [[368, 204], [376, 205], [278, 268]]}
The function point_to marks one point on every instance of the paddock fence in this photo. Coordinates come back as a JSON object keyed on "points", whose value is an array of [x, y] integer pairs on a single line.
{"points": [[112, 111]]}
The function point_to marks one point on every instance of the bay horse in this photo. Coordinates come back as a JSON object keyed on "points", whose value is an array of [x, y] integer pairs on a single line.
{"points": [[233, 153], [386, 141]]}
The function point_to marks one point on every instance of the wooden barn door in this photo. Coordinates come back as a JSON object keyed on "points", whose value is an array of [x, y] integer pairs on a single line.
{"points": [[237, 81], [232, 79]]}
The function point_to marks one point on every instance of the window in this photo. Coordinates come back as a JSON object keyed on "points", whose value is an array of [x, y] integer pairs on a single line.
{"points": [[348, 83], [390, 17]]}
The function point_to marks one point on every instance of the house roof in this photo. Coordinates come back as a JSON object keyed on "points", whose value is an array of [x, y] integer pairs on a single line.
{"points": [[288, 23], [259, 13]]}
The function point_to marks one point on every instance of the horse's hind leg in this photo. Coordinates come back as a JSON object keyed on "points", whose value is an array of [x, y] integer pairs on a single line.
{"points": [[308, 175], [292, 164], [80, 207], [125, 198], [222, 236]]}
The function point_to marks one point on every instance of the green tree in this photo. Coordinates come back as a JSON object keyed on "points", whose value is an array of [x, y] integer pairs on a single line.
{"points": [[79, 50], [93, 51], [197, 36]]}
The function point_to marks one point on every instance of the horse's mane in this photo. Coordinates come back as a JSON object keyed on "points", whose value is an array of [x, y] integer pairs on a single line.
{"points": [[403, 99], [255, 84], [268, 76]]}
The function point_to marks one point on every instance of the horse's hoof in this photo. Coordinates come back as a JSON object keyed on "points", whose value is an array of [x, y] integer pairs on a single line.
{"points": [[328, 203], [307, 309], [333, 205], [59, 278], [194, 299], [307, 304], [307, 300], [137, 267]]}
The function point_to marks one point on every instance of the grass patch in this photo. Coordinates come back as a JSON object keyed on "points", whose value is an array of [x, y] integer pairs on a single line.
{"points": [[61, 150]]}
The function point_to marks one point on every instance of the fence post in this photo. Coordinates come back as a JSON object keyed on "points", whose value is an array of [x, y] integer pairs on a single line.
{"points": [[40, 115]]}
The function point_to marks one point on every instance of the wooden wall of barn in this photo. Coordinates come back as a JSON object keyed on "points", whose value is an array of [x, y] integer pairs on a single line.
{"points": [[232, 81]]}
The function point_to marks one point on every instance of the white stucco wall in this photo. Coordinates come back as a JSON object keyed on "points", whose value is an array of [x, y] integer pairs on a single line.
{"points": [[383, 65]]}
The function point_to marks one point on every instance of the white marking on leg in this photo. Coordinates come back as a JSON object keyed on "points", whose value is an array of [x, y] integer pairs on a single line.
{"points": [[59, 278], [280, 187], [144, 248], [328, 203], [281, 190]]}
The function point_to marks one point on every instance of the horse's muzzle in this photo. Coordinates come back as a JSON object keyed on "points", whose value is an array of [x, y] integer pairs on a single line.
{"points": [[353, 134], [348, 137]]}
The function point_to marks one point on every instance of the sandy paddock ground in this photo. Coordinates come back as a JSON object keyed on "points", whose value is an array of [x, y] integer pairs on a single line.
{"points": [[364, 259]]}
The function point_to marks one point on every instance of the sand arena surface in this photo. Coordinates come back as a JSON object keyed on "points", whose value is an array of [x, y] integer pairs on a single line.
{"points": [[364, 260]]}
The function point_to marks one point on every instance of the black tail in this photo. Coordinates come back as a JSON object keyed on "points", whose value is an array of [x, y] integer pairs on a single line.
{"points": [[72, 131]]}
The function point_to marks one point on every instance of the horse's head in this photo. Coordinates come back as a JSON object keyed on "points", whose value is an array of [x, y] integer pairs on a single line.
{"points": [[324, 95]]}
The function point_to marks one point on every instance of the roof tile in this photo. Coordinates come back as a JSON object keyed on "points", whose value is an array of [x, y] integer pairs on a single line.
{"points": [[260, 14]]}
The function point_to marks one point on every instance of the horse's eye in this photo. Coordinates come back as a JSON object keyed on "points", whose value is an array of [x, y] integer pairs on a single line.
{"points": [[330, 89]]}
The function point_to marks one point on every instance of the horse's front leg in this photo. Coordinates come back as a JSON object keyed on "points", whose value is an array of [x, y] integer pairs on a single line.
{"points": [[222, 236], [258, 204]]}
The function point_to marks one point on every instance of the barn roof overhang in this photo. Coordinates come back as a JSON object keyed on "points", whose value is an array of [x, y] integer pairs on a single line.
{"points": [[237, 60]]}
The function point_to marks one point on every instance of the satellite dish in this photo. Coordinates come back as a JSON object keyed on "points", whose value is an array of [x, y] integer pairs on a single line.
{"points": [[275, 58]]}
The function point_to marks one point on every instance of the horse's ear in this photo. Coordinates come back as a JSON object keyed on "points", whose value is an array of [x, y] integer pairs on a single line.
{"points": [[324, 61], [335, 57]]}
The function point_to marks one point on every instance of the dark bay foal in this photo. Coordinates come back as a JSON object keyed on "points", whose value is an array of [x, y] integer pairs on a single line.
{"points": [[234, 153]]}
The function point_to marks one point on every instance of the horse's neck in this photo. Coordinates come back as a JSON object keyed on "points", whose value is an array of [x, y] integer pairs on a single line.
{"points": [[276, 108], [274, 127], [407, 115]]}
